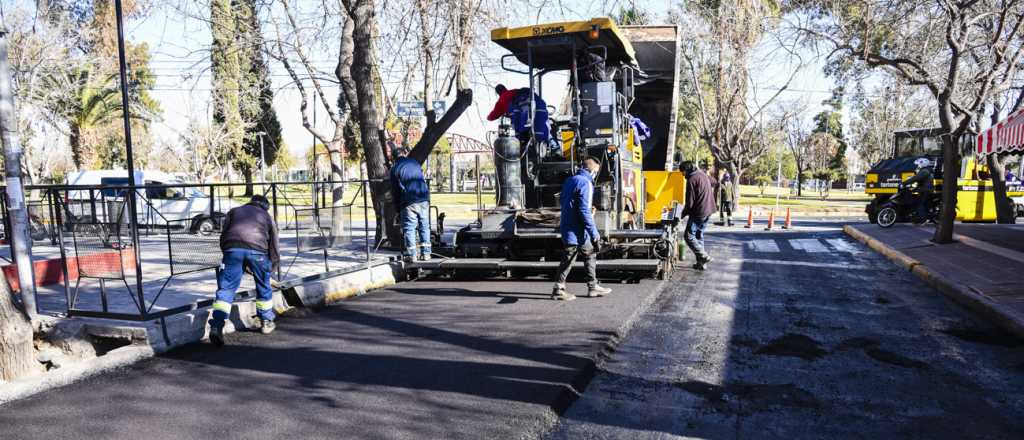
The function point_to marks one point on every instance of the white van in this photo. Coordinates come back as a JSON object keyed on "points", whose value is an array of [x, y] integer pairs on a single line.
{"points": [[185, 206]]}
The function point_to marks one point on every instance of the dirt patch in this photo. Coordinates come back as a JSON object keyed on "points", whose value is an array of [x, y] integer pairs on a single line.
{"points": [[988, 337], [793, 345], [891, 358], [740, 397]]}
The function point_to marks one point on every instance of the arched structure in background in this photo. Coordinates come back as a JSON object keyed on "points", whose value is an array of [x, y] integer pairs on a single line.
{"points": [[463, 145]]}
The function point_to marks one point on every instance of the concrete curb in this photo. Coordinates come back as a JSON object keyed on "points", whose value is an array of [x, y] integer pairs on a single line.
{"points": [[151, 338], [959, 293]]}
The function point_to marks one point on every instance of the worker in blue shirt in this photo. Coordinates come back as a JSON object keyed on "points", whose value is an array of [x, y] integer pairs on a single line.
{"points": [[413, 195], [579, 232]]}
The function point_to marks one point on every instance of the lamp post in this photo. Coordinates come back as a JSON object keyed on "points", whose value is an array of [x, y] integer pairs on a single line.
{"points": [[129, 156], [263, 157]]}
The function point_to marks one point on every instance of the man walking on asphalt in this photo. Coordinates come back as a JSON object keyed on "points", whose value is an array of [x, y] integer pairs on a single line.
{"points": [[248, 240], [579, 232], [699, 205], [410, 188], [725, 199]]}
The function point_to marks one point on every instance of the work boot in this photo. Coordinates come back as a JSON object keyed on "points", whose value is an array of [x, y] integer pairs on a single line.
{"points": [[217, 335], [408, 258], [267, 326], [425, 257], [559, 293], [702, 263], [597, 291]]}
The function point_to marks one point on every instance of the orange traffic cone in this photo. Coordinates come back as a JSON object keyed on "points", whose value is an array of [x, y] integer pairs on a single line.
{"points": [[750, 218], [771, 220], [789, 221]]}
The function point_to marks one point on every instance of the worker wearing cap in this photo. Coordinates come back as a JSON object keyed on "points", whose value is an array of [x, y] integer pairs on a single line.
{"points": [[249, 243], [413, 195], [698, 206]]}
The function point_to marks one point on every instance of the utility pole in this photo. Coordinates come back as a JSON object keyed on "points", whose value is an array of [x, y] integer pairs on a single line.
{"points": [[21, 243]]}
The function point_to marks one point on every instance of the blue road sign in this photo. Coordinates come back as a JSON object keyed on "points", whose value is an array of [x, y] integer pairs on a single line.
{"points": [[409, 109]]}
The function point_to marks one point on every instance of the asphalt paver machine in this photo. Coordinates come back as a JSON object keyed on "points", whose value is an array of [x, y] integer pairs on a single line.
{"points": [[608, 84]]}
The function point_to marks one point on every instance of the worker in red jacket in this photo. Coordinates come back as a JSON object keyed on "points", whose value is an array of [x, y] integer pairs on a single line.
{"points": [[515, 104]]}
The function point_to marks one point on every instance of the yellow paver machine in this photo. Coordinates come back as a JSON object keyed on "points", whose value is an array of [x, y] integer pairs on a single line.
{"points": [[620, 90]]}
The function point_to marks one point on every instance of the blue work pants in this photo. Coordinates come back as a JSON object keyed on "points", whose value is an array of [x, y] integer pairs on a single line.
{"points": [[416, 224], [234, 263], [694, 236]]}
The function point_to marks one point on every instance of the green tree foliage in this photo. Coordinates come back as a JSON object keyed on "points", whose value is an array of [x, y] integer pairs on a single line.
{"points": [[243, 98], [830, 122], [264, 135]]}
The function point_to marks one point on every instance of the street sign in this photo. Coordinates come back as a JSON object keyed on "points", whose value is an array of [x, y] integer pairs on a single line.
{"points": [[409, 109]]}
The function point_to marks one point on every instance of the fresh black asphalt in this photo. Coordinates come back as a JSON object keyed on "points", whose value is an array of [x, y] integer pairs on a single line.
{"points": [[433, 359]]}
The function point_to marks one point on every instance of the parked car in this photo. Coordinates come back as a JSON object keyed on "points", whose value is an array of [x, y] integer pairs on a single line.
{"points": [[160, 202]]}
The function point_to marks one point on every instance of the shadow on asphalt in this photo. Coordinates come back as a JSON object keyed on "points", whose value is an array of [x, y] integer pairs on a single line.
{"points": [[805, 352]]}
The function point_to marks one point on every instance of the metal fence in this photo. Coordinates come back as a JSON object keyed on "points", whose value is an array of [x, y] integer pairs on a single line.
{"points": [[167, 260]]}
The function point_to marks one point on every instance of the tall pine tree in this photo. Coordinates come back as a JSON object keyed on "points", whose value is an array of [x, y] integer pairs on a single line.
{"points": [[243, 98]]}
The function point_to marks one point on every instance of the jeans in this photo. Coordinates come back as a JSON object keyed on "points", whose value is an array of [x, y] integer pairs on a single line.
{"points": [[235, 261], [416, 222], [569, 257], [695, 236]]}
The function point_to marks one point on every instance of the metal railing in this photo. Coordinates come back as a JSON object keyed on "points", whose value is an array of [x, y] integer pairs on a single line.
{"points": [[88, 228]]}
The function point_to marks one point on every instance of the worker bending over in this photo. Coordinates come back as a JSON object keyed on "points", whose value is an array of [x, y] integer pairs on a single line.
{"points": [[515, 104], [579, 232], [249, 243]]}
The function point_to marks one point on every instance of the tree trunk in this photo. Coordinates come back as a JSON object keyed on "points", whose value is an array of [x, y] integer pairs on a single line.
{"points": [[1005, 212], [364, 20], [17, 354], [433, 134], [247, 175], [75, 142], [799, 180], [950, 175]]}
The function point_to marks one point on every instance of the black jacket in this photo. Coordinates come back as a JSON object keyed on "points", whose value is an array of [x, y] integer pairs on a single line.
{"points": [[250, 227], [700, 196]]}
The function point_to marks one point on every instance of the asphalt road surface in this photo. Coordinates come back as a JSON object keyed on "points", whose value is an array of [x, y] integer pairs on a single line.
{"points": [[804, 335], [422, 360]]}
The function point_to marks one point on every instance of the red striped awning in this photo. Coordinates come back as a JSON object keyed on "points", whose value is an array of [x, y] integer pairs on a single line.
{"points": [[1006, 135]]}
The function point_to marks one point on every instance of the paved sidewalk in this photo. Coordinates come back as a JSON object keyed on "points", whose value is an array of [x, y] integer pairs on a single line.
{"points": [[982, 271]]}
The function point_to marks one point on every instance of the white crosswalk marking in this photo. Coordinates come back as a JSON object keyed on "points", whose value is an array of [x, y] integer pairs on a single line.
{"points": [[842, 245], [808, 245], [763, 245]]}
